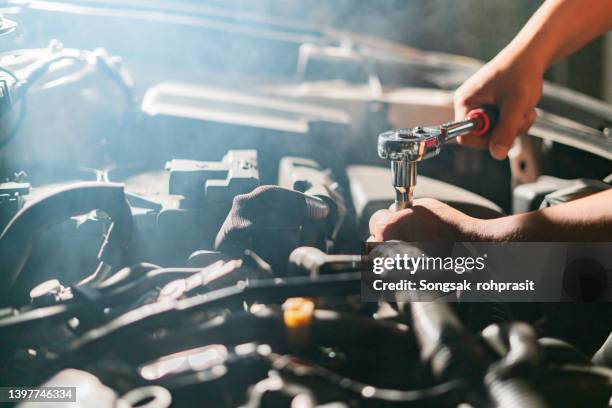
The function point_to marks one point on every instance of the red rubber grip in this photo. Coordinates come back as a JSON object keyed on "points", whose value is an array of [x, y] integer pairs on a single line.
{"points": [[481, 121], [484, 118]]}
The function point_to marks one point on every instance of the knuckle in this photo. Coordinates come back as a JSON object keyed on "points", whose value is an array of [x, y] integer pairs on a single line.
{"points": [[464, 100]]}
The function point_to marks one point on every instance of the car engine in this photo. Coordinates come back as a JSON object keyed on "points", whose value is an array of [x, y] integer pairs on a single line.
{"points": [[190, 230]]}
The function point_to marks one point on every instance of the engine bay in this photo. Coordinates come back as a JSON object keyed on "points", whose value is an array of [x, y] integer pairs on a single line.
{"points": [[184, 231]]}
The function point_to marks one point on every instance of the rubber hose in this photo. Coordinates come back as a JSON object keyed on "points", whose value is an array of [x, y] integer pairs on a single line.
{"points": [[18, 237]]}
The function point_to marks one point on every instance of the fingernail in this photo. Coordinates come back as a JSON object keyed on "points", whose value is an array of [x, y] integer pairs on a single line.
{"points": [[499, 151]]}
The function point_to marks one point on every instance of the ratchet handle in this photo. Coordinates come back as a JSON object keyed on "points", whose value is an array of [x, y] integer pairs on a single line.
{"points": [[484, 119]]}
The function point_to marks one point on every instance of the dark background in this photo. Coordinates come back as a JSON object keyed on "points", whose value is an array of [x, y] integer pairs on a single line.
{"points": [[475, 28]]}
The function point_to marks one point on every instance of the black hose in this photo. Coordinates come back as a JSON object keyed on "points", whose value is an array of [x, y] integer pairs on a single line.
{"points": [[512, 393], [447, 393], [452, 352], [446, 346], [17, 239], [328, 327], [263, 290], [517, 342]]}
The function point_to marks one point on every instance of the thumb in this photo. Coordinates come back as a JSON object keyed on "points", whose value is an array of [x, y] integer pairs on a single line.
{"points": [[506, 129]]}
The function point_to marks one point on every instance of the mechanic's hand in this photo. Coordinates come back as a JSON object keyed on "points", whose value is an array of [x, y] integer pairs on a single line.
{"points": [[514, 87], [427, 220]]}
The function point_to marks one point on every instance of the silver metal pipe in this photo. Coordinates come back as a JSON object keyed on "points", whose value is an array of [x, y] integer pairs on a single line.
{"points": [[456, 129]]}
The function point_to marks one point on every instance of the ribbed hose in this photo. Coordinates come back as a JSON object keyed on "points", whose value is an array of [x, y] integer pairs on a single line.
{"points": [[316, 208], [451, 351], [517, 342], [512, 393]]}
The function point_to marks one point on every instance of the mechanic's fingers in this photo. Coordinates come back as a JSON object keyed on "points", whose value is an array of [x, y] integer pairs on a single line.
{"points": [[463, 105], [532, 116], [378, 221], [507, 128], [461, 109], [528, 122], [482, 142], [386, 225]]}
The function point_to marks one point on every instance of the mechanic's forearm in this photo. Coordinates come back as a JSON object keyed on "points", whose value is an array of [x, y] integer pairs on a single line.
{"points": [[559, 28], [585, 219]]}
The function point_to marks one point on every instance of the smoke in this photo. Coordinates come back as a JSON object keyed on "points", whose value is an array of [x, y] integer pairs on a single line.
{"points": [[474, 28]]}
